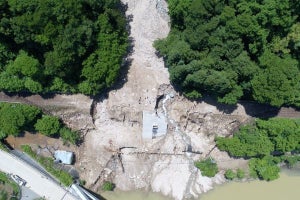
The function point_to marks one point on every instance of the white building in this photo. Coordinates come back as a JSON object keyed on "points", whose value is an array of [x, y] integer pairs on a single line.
{"points": [[154, 125]]}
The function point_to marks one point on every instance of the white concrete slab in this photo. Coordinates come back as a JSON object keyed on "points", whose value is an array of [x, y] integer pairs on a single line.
{"points": [[154, 124]]}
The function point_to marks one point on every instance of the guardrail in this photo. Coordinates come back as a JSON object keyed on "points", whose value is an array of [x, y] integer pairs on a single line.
{"points": [[35, 169]]}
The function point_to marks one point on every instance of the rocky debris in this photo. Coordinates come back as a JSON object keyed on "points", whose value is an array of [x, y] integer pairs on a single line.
{"points": [[123, 113], [161, 7], [164, 164]]}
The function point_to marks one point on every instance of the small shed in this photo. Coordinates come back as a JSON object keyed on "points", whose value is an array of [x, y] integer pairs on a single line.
{"points": [[64, 157], [154, 124]]}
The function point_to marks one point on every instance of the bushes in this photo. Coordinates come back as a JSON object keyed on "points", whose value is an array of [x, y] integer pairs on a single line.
{"points": [[48, 125], [8, 186], [229, 174], [51, 126], [17, 118], [69, 136], [240, 174], [247, 142], [207, 167], [268, 142], [265, 168], [108, 186], [48, 164], [273, 136]]}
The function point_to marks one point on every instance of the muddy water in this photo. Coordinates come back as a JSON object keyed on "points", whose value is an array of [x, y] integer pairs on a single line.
{"points": [[284, 188], [136, 195]]}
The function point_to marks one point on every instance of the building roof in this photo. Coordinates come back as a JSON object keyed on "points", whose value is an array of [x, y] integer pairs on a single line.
{"points": [[65, 157], [154, 124]]}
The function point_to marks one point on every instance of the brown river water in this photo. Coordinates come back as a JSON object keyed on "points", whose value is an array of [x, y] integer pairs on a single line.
{"points": [[287, 187]]}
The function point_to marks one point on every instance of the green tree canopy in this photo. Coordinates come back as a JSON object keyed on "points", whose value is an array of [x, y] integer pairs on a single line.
{"points": [[208, 167], [48, 125], [61, 45], [243, 49], [15, 118]]}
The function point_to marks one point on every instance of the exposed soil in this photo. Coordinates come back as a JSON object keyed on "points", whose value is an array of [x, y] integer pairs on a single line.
{"points": [[114, 149], [74, 110], [38, 140]]}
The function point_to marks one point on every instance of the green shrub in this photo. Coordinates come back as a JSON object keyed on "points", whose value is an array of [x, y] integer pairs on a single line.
{"points": [[208, 167], [3, 195], [69, 136], [108, 186], [8, 183], [82, 182], [229, 174], [48, 125], [265, 168], [240, 173], [291, 160]]}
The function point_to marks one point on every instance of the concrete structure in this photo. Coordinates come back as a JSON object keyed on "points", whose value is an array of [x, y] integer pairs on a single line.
{"points": [[36, 181], [64, 157], [154, 125]]}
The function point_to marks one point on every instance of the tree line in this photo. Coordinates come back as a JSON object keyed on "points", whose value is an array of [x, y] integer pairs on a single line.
{"points": [[64, 46], [237, 49], [266, 143], [17, 118]]}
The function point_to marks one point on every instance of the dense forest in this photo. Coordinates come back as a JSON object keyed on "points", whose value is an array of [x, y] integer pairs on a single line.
{"points": [[235, 49], [266, 143], [61, 45]]}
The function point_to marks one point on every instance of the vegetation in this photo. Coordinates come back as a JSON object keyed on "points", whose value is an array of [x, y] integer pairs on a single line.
{"points": [[229, 174], [208, 167], [9, 190], [69, 136], [48, 164], [48, 125], [3, 147], [108, 186], [291, 160], [265, 168], [240, 174], [248, 142], [61, 46], [267, 143], [82, 182], [242, 49], [16, 118]]}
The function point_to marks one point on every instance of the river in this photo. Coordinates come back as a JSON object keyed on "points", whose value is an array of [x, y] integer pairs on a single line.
{"points": [[284, 188]]}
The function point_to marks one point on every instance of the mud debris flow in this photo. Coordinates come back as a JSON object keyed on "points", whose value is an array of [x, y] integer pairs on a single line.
{"points": [[155, 164]]}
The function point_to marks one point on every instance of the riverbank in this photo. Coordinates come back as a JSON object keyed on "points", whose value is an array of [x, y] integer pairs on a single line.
{"points": [[286, 187]]}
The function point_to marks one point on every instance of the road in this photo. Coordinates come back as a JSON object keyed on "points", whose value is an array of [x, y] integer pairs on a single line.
{"points": [[36, 181]]}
